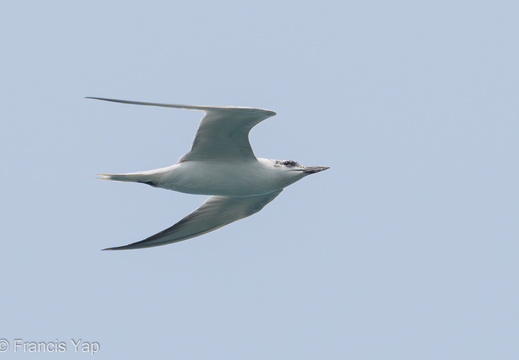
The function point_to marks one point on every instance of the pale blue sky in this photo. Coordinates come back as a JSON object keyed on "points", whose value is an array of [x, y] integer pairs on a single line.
{"points": [[407, 248]]}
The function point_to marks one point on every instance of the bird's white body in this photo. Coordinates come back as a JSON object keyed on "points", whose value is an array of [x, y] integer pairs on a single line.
{"points": [[221, 163], [224, 178]]}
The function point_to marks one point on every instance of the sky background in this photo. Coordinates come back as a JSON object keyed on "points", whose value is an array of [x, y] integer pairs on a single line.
{"points": [[407, 248]]}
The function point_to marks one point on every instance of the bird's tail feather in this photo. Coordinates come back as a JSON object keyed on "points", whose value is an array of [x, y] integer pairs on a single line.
{"points": [[144, 177], [135, 177]]}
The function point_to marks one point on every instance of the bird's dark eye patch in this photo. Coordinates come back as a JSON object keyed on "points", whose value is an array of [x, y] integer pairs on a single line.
{"points": [[289, 163]]}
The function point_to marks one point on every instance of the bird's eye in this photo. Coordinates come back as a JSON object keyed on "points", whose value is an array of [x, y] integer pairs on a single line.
{"points": [[290, 163]]}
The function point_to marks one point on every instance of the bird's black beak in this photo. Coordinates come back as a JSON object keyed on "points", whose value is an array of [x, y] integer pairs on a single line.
{"points": [[314, 169]]}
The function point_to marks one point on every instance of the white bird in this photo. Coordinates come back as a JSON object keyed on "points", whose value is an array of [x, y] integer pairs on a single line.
{"points": [[221, 163]]}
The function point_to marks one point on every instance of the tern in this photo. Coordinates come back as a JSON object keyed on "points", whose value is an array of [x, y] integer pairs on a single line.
{"points": [[221, 163]]}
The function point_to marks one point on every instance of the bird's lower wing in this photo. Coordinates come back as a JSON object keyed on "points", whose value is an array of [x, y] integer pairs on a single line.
{"points": [[215, 212]]}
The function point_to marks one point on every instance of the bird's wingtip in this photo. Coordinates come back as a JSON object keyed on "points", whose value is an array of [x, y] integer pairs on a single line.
{"points": [[115, 248], [124, 247]]}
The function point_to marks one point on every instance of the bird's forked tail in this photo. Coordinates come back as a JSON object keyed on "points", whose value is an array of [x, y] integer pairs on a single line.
{"points": [[131, 177]]}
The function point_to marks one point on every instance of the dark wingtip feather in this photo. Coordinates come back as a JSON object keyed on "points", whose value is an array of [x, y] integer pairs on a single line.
{"points": [[124, 247], [136, 245]]}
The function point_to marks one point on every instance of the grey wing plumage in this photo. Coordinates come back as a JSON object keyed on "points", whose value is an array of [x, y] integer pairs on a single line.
{"points": [[223, 132], [214, 213]]}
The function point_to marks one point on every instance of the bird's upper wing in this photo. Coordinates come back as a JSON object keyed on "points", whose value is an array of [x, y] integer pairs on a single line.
{"points": [[223, 132], [214, 213]]}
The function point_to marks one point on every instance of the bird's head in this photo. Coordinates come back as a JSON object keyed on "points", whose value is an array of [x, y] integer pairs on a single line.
{"points": [[291, 171], [294, 166]]}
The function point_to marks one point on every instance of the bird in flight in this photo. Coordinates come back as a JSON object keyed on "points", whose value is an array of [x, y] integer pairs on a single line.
{"points": [[221, 163]]}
